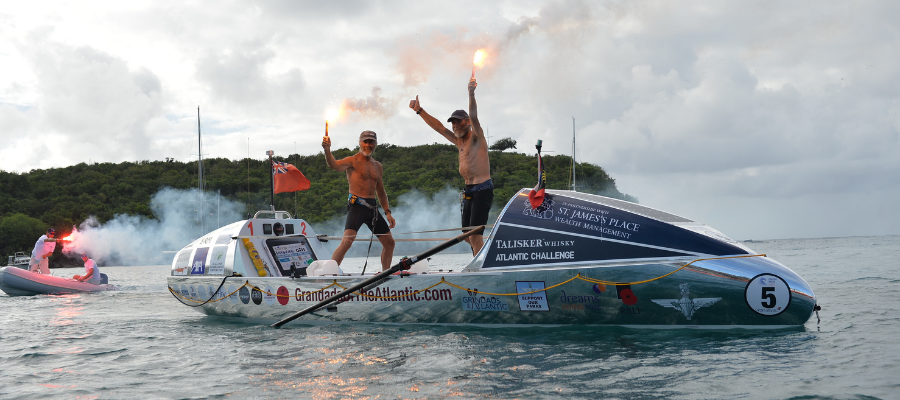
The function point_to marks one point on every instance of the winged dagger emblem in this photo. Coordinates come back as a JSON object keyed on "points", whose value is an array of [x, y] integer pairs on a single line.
{"points": [[686, 304]]}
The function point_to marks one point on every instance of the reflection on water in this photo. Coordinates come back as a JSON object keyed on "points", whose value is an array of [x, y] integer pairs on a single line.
{"points": [[66, 309]]}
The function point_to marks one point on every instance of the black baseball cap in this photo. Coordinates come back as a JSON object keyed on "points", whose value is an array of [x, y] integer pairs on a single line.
{"points": [[458, 114], [51, 230], [366, 135]]}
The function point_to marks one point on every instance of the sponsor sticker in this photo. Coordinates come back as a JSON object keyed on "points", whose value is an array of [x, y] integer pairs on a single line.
{"points": [[767, 294], [182, 262], [256, 296], [244, 295], [580, 301], [223, 239], [283, 295], [479, 302], [217, 260], [528, 301], [234, 296], [198, 267], [269, 296]]}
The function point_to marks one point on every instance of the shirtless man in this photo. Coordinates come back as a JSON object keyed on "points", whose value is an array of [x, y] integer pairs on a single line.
{"points": [[474, 165], [364, 176]]}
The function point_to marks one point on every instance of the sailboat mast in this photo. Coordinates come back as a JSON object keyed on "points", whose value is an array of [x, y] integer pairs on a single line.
{"points": [[573, 154], [200, 173]]}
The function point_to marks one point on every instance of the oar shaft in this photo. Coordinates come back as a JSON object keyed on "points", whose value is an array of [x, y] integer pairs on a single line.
{"points": [[381, 275]]}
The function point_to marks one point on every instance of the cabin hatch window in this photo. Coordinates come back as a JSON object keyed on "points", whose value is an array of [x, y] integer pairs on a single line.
{"points": [[290, 251]]}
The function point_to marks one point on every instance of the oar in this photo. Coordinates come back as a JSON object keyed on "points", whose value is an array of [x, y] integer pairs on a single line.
{"points": [[402, 265]]}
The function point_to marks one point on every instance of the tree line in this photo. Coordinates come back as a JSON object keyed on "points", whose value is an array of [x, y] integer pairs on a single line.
{"points": [[32, 201]]}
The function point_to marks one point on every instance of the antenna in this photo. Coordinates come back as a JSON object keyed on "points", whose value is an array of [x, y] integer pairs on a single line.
{"points": [[574, 188], [200, 173], [295, 163], [248, 178]]}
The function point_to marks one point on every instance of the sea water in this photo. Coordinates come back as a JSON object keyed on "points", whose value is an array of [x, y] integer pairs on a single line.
{"points": [[140, 342]]}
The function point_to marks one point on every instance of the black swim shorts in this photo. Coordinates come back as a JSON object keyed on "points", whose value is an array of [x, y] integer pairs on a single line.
{"points": [[476, 205], [358, 214]]}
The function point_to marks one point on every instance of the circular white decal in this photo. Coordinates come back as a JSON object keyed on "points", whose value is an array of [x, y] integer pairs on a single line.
{"points": [[213, 293], [201, 293], [269, 296], [768, 294], [233, 296]]}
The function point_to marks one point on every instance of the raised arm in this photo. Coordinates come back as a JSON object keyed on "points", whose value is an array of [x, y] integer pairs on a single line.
{"points": [[432, 121], [473, 109], [337, 165]]}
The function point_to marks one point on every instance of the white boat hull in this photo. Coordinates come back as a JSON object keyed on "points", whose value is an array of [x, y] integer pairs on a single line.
{"points": [[437, 299], [19, 282]]}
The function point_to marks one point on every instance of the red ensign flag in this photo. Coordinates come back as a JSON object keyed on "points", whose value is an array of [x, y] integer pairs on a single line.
{"points": [[536, 196], [288, 178]]}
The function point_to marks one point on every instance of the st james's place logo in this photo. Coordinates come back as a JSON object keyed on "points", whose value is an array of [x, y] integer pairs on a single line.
{"points": [[544, 211]]}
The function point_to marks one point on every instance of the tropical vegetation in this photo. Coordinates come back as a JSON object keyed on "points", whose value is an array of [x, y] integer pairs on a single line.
{"points": [[32, 201]]}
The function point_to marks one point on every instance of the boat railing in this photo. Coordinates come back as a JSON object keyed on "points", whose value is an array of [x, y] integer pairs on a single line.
{"points": [[269, 214]]}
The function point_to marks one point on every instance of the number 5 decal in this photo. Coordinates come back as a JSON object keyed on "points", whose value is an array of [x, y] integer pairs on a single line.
{"points": [[768, 294]]}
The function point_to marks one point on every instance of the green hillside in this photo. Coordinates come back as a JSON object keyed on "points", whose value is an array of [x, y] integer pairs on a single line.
{"points": [[62, 197]]}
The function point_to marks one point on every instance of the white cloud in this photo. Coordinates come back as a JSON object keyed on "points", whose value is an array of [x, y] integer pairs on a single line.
{"points": [[699, 108]]}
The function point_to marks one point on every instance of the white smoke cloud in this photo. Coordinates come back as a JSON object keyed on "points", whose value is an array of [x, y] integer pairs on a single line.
{"points": [[137, 240]]}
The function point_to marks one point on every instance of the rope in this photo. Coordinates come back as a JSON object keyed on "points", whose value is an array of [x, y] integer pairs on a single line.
{"points": [[363, 237], [247, 283], [443, 281], [612, 283], [210, 300], [515, 294]]}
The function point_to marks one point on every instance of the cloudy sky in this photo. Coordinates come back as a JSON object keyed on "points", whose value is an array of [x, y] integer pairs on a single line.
{"points": [[761, 119]]}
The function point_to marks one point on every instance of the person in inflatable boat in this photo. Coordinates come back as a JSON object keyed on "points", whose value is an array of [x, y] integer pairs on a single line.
{"points": [[91, 271], [43, 249]]}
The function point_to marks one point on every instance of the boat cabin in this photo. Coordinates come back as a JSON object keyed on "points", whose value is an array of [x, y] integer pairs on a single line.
{"points": [[271, 244]]}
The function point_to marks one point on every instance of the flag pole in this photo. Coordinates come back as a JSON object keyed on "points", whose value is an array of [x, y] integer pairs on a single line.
{"points": [[270, 153]]}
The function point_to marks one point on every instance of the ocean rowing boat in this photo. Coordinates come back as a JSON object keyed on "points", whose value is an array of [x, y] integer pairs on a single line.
{"points": [[577, 259]]}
